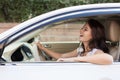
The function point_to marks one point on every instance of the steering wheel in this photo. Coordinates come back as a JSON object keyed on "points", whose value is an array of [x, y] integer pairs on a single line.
{"points": [[42, 55]]}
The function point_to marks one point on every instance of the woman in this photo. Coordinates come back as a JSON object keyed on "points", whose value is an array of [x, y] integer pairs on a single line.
{"points": [[93, 49]]}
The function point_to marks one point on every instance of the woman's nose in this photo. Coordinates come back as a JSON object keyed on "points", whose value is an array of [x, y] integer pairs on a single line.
{"points": [[81, 31]]}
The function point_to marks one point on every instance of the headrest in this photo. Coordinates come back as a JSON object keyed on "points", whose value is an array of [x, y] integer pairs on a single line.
{"points": [[113, 31]]}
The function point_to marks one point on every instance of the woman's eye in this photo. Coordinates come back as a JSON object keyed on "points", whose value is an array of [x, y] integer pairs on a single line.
{"points": [[85, 29], [82, 28]]}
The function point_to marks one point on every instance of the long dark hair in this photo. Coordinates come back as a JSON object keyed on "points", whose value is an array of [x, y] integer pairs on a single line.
{"points": [[98, 36]]}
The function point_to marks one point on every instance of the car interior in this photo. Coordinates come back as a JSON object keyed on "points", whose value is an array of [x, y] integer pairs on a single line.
{"points": [[113, 35], [28, 51], [112, 28]]}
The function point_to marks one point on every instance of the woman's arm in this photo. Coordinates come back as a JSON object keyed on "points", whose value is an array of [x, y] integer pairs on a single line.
{"points": [[55, 54], [98, 58]]}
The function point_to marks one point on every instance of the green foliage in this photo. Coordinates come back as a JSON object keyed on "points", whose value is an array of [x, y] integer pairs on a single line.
{"points": [[21, 10], [102, 1]]}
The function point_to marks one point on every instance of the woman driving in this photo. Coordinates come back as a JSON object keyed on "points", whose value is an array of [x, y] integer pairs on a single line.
{"points": [[93, 48]]}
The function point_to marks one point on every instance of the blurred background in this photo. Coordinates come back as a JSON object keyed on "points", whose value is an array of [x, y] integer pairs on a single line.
{"points": [[21, 10]]}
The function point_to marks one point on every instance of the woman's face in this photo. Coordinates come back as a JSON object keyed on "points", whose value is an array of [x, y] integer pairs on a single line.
{"points": [[85, 33]]}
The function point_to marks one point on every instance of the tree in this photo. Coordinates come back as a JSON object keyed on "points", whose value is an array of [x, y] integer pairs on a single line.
{"points": [[21, 10]]}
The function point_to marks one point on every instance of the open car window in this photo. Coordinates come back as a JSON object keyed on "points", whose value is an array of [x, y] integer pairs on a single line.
{"points": [[60, 37]]}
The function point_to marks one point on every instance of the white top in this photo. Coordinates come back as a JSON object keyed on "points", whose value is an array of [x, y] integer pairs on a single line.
{"points": [[92, 52]]}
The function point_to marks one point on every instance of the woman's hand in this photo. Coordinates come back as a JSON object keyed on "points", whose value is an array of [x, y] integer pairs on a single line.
{"points": [[73, 59], [39, 45]]}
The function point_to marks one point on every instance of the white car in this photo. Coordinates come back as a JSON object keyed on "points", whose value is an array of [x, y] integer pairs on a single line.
{"points": [[20, 58]]}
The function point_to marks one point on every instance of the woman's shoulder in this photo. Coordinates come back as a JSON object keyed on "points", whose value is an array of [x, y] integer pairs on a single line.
{"points": [[95, 51], [98, 51]]}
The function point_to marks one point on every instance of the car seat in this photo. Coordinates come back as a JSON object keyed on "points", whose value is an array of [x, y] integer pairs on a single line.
{"points": [[113, 36]]}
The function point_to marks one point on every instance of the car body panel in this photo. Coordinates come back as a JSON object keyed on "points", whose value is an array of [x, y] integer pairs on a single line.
{"points": [[59, 71]]}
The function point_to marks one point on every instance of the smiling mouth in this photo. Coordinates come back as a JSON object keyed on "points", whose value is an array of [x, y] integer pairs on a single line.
{"points": [[81, 35]]}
